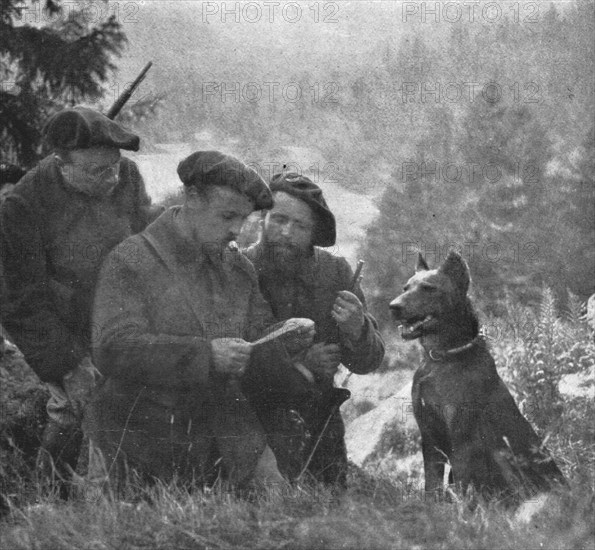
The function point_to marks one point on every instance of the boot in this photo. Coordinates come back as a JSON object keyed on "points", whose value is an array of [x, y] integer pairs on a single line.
{"points": [[58, 456]]}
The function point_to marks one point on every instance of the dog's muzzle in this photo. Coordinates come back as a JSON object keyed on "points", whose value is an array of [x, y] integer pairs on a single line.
{"points": [[411, 327], [396, 309]]}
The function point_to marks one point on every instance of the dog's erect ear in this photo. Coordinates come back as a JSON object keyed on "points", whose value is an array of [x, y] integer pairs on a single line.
{"points": [[421, 263], [456, 269]]}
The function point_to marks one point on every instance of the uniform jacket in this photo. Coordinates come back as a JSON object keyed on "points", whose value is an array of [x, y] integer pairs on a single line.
{"points": [[53, 240]]}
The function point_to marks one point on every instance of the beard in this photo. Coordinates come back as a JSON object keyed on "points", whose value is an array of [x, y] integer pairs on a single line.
{"points": [[285, 257]]}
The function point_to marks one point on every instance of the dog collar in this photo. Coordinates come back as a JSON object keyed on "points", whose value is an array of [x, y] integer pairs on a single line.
{"points": [[441, 355]]}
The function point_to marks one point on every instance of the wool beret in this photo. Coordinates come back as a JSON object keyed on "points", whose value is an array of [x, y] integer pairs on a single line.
{"points": [[205, 168], [303, 188], [81, 128]]}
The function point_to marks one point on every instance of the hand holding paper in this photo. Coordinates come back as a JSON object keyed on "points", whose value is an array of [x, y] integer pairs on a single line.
{"points": [[230, 355], [296, 334]]}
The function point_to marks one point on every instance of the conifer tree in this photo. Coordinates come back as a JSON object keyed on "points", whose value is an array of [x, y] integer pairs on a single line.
{"points": [[50, 56]]}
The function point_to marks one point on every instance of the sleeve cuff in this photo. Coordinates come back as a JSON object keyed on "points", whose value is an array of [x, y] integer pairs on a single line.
{"points": [[351, 344]]}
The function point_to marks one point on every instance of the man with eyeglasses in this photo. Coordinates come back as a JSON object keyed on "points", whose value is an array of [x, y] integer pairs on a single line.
{"points": [[56, 227], [298, 278]]}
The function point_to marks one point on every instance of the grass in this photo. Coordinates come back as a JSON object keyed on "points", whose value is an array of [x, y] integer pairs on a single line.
{"points": [[374, 513], [384, 506]]}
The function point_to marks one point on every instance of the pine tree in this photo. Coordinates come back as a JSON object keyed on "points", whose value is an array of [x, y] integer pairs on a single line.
{"points": [[49, 57], [523, 206]]}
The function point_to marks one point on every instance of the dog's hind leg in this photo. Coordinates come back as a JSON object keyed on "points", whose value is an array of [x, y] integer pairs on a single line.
{"points": [[466, 464], [522, 459]]}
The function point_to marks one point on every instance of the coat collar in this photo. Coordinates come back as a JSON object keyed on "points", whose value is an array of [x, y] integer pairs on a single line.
{"points": [[165, 237]]}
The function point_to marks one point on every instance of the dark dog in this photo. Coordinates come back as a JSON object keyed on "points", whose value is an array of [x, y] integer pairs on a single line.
{"points": [[464, 411]]}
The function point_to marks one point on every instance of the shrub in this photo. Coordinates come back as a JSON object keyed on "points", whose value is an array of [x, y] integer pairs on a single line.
{"points": [[534, 350], [545, 346]]}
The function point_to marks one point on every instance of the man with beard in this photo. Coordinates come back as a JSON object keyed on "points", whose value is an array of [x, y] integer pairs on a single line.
{"points": [[56, 226], [176, 321], [299, 279]]}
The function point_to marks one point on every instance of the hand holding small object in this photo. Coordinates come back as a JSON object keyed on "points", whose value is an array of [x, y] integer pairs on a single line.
{"points": [[323, 359], [79, 384], [230, 355], [348, 312]]}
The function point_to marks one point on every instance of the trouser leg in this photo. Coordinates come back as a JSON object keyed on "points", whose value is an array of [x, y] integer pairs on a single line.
{"points": [[61, 441], [329, 461], [239, 435], [288, 437]]}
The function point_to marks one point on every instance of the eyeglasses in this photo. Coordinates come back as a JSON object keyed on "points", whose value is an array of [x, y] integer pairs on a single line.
{"points": [[92, 170], [101, 172]]}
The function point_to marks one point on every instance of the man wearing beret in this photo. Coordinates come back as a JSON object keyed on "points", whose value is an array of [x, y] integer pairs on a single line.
{"points": [[177, 319], [300, 279], [56, 227]]}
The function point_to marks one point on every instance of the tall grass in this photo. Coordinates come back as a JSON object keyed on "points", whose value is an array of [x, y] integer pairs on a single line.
{"points": [[547, 345], [383, 510], [372, 514]]}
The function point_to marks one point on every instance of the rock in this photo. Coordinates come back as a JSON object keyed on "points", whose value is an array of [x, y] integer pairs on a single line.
{"points": [[390, 425], [527, 511], [580, 384], [369, 390], [591, 312], [23, 397]]}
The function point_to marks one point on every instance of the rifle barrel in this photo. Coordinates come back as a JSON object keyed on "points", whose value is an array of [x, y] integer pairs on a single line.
{"points": [[127, 93]]}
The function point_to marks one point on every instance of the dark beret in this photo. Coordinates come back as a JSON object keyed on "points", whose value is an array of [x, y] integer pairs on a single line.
{"points": [[301, 187], [205, 168], [81, 128]]}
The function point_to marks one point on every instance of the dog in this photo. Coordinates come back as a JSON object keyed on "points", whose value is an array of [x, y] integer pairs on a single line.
{"points": [[464, 411]]}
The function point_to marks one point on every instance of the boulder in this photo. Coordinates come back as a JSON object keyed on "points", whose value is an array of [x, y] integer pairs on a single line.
{"points": [[390, 426], [23, 398], [580, 384], [591, 312], [369, 390]]}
